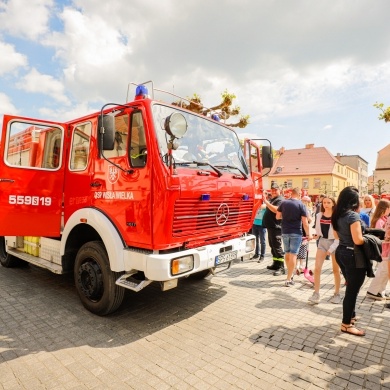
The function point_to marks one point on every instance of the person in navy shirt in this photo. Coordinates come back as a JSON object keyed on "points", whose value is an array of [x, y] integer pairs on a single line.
{"points": [[292, 212]]}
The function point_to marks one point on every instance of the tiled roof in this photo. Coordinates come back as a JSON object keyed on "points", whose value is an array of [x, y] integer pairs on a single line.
{"points": [[383, 158], [304, 161]]}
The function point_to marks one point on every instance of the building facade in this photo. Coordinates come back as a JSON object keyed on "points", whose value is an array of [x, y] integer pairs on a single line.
{"points": [[314, 169], [361, 166], [381, 176]]}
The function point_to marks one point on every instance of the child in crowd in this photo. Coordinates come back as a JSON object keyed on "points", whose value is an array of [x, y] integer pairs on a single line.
{"points": [[303, 249], [259, 231]]}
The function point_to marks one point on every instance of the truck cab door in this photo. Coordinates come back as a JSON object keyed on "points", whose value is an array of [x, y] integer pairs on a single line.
{"points": [[253, 158], [31, 177], [258, 159]]}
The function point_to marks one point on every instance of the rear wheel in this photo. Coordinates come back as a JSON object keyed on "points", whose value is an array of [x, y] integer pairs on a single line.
{"points": [[7, 260], [95, 282]]}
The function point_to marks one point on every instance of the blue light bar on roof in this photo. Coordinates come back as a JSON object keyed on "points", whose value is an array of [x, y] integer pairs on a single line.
{"points": [[141, 90]]}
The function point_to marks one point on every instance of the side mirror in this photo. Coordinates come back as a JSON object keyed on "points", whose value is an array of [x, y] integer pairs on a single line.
{"points": [[267, 158], [106, 131]]}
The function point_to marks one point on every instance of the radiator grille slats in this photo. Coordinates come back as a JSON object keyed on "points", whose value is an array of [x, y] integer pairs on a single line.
{"points": [[195, 216]]}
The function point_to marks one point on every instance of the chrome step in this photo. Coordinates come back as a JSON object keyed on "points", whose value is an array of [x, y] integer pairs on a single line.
{"points": [[133, 284]]}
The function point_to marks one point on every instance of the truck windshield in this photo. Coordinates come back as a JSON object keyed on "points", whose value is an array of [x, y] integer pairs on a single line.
{"points": [[205, 141]]}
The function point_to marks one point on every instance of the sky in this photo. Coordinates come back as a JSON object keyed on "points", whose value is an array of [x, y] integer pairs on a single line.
{"points": [[304, 71]]}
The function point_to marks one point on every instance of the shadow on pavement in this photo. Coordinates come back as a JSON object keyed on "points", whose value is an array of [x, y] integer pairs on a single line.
{"points": [[40, 311]]}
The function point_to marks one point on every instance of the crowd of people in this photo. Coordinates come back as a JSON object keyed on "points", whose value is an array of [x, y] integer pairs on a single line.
{"points": [[352, 232]]}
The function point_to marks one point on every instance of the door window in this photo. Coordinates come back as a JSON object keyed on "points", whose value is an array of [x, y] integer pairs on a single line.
{"points": [[34, 146], [80, 147], [138, 150]]}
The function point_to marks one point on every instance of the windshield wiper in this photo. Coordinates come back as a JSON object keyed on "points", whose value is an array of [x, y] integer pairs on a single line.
{"points": [[234, 167], [205, 164]]}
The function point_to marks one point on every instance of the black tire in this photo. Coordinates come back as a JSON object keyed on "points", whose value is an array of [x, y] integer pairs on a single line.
{"points": [[95, 282], [7, 260], [201, 274]]}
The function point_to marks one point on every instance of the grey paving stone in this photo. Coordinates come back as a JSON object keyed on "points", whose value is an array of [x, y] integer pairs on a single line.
{"points": [[238, 330]]}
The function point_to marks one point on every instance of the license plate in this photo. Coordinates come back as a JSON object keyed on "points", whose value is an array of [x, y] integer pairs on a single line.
{"points": [[225, 257]]}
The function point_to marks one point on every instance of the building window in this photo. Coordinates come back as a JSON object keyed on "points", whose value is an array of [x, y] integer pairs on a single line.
{"points": [[317, 182], [289, 183], [305, 183]]}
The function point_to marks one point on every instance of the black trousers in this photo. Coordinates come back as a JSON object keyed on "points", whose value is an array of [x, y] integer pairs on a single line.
{"points": [[275, 243], [354, 277]]}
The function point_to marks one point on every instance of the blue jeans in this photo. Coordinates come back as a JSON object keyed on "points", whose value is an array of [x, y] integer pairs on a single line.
{"points": [[354, 277], [259, 232], [291, 243]]}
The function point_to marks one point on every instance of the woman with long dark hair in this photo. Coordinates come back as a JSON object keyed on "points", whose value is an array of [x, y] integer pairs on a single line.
{"points": [[348, 229]]}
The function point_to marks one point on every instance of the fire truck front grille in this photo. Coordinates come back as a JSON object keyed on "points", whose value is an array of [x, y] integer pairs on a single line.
{"points": [[193, 216]]}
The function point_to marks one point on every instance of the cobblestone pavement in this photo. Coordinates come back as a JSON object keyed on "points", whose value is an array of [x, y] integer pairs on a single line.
{"points": [[241, 329]]}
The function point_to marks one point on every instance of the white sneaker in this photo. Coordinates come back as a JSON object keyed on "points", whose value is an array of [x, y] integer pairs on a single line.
{"points": [[315, 298], [336, 299]]}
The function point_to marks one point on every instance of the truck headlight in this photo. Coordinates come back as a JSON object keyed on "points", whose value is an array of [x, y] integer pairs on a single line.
{"points": [[182, 264], [250, 245]]}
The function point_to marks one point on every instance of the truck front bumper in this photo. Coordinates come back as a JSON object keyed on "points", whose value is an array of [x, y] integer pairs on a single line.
{"points": [[163, 267]]}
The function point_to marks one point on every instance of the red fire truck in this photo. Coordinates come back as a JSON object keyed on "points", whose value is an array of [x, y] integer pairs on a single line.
{"points": [[136, 193]]}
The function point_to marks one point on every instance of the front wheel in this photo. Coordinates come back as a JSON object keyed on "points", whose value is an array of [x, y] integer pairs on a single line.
{"points": [[95, 282], [7, 260]]}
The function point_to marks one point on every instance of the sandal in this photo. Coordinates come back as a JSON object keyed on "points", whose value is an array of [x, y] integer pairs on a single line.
{"points": [[353, 320], [351, 329]]}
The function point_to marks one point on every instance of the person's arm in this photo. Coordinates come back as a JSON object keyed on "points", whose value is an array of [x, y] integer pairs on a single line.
{"points": [[278, 215], [356, 231], [271, 207], [333, 247], [306, 227]]}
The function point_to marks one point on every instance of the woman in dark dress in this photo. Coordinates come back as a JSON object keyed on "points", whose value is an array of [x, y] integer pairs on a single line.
{"points": [[347, 227]]}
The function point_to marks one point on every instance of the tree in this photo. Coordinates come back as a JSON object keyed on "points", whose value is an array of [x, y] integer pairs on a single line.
{"points": [[379, 184], [223, 111], [385, 115]]}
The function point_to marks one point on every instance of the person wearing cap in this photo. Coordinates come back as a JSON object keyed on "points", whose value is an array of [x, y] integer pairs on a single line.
{"points": [[274, 230], [292, 212]]}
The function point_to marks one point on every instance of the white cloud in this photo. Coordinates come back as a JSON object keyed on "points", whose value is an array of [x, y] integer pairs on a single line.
{"points": [[27, 19], [63, 114], [36, 82], [6, 105], [10, 60], [293, 67], [94, 54]]}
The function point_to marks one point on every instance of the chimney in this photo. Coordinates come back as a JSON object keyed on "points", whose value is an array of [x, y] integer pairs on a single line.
{"points": [[309, 146], [281, 150]]}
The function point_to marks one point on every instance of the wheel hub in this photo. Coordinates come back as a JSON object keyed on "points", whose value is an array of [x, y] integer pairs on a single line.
{"points": [[90, 280]]}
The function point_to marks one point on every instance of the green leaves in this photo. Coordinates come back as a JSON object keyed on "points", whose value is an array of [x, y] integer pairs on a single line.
{"points": [[385, 115]]}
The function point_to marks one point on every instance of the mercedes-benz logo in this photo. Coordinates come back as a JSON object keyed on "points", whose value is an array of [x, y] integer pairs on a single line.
{"points": [[222, 214]]}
